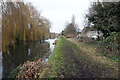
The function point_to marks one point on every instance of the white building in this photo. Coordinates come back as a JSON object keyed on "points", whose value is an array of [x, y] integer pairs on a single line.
{"points": [[91, 32]]}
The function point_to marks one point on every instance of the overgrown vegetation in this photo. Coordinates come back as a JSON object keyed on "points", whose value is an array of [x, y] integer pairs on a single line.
{"points": [[22, 22], [105, 17], [99, 65], [109, 45]]}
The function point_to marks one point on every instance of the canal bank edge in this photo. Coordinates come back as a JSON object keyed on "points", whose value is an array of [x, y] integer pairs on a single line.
{"points": [[59, 65]]}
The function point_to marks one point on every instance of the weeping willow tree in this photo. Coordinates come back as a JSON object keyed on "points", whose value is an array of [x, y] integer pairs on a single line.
{"points": [[22, 22]]}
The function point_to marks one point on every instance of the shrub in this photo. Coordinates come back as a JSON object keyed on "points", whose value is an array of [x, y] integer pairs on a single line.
{"points": [[109, 44]]}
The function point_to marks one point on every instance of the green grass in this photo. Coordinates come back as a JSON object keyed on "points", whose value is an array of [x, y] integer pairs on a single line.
{"points": [[59, 64], [105, 67], [113, 58]]}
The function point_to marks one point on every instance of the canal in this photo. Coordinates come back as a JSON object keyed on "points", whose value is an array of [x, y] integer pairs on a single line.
{"points": [[23, 52]]}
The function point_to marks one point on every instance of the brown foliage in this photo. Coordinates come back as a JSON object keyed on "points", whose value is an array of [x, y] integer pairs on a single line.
{"points": [[22, 22], [30, 69]]}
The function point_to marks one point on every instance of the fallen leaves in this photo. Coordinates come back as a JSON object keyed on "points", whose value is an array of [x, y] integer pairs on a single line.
{"points": [[30, 69]]}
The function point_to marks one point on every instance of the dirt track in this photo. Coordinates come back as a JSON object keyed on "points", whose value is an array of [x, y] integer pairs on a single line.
{"points": [[81, 71], [101, 66], [72, 59]]}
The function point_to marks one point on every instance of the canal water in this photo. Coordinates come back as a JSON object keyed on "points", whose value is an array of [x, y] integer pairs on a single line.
{"points": [[22, 52]]}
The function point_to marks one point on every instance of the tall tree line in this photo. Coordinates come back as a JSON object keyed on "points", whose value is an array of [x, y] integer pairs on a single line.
{"points": [[22, 22]]}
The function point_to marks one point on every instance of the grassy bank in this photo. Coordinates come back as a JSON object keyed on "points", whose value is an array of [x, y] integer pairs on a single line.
{"points": [[73, 59], [59, 64], [100, 65]]}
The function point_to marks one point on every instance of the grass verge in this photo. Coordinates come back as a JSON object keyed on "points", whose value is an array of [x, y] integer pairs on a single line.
{"points": [[73, 59], [101, 66], [59, 64]]}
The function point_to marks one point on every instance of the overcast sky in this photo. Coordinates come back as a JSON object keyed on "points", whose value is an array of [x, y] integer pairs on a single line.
{"points": [[59, 12]]}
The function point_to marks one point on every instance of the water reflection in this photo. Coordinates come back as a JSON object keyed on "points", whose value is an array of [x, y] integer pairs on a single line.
{"points": [[21, 53], [0, 65], [51, 41]]}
